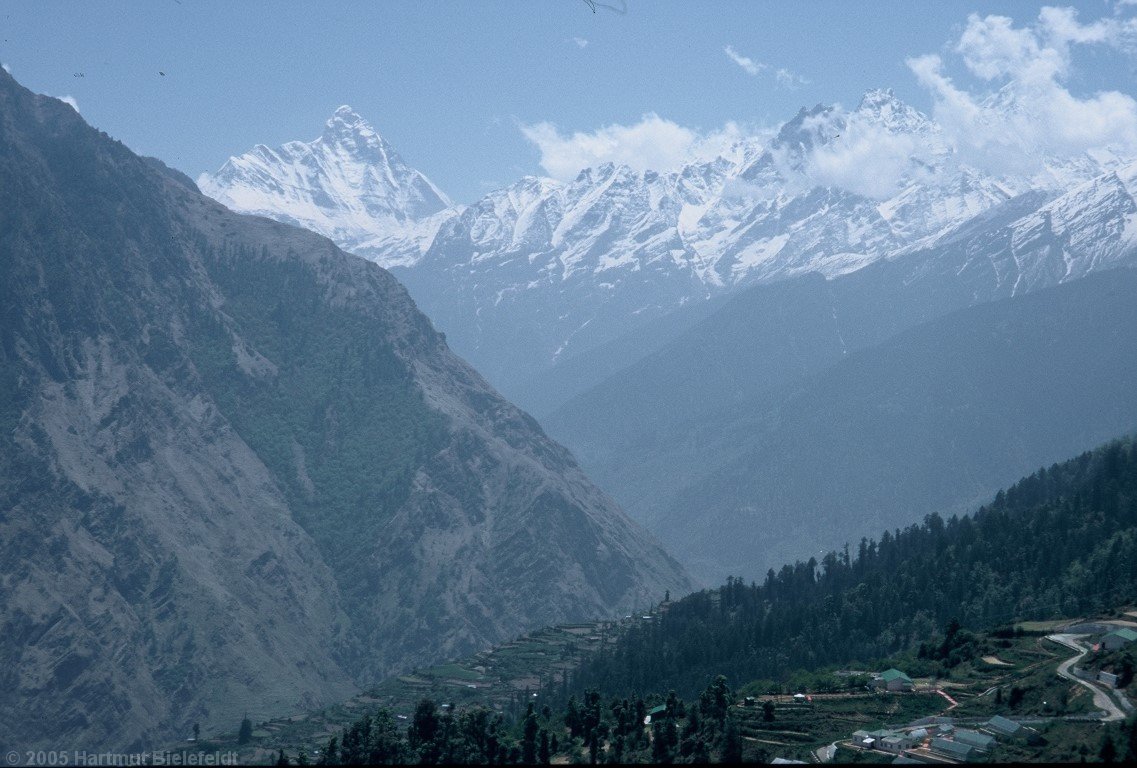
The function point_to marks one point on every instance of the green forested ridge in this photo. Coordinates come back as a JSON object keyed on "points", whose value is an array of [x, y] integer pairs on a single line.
{"points": [[1060, 542]]}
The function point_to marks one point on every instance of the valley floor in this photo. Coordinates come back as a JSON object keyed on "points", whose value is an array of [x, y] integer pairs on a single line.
{"points": [[1037, 679]]}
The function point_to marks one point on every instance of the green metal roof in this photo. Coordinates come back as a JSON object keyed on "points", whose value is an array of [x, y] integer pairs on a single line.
{"points": [[1126, 633], [974, 738], [962, 751], [656, 710], [1004, 725], [893, 674]]}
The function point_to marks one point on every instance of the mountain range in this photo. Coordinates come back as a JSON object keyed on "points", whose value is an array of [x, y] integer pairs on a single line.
{"points": [[741, 461], [240, 472], [665, 434], [664, 325], [540, 271]]}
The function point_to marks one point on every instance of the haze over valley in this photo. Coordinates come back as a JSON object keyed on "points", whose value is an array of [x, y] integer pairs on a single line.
{"points": [[417, 403]]}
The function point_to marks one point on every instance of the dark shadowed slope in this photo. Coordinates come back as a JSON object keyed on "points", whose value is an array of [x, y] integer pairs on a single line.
{"points": [[239, 471]]}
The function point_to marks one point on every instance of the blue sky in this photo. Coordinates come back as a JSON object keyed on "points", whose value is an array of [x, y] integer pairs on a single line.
{"points": [[458, 88]]}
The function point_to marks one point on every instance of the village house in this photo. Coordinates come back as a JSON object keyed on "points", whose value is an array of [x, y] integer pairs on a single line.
{"points": [[1119, 638], [893, 680], [896, 743], [1109, 678], [980, 741], [953, 749], [1001, 726], [886, 740], [655, 712]]}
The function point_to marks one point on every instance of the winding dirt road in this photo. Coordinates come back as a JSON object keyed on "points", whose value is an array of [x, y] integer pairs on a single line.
{"points": [[1102, 699]]}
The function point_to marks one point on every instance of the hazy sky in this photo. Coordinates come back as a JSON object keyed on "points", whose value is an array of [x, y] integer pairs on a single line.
{"points": [[476, 94]]}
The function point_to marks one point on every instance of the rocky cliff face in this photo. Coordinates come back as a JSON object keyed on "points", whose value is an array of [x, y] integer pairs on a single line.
{"points": [[239, 471]]}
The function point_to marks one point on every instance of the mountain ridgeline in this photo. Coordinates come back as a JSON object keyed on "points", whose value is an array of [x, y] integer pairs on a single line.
{"points": [[1059, 543], [540, 271], [780, 425], [239, 471]]}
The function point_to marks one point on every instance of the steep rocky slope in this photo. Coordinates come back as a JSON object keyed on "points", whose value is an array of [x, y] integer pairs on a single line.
{"points": [[239, 471]]}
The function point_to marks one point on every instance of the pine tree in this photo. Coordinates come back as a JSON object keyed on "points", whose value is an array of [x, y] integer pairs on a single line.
{"points": [[618, 750], [385, 746], [731, 743], [529, 730], [1125, 672], [1108, 751], [660, 753], [282, 759], [1131, 739], [543, 755], [424, 727], [245, 734], [700, 755], [572, 718]]}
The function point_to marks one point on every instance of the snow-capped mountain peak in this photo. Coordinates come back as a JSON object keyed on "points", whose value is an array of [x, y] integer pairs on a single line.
{"points": [[349, 131], [349, 184], [889, 109], [347, 118]]}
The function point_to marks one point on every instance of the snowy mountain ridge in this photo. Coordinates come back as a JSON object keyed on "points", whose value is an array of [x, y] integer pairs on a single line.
{"points": [[540, 269]]}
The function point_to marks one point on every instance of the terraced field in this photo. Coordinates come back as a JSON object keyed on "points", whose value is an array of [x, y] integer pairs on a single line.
{"points": [[503, 678]]}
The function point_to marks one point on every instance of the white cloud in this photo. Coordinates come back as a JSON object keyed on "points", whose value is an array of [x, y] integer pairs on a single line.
{"points": [[1031, 111], [70, 101], [748, 65], [789, 80], [866, 159], [6, 68], [653, 143], [580, 42], [851, 151], [783, 77]]}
